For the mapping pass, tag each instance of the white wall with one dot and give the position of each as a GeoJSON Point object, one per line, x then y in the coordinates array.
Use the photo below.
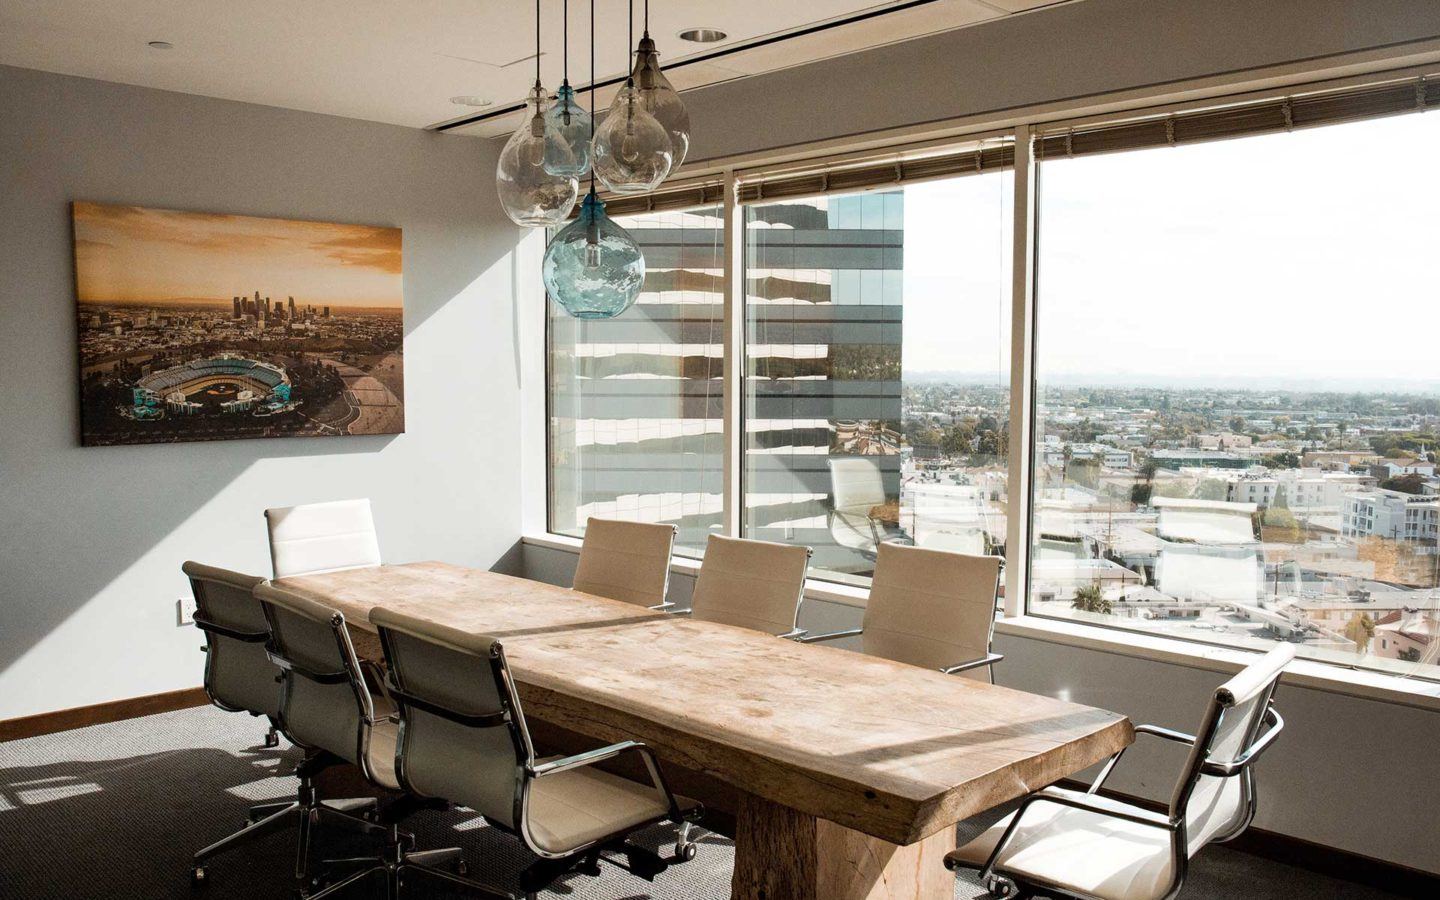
{"type": "Point", "coordinates": [91, 539]}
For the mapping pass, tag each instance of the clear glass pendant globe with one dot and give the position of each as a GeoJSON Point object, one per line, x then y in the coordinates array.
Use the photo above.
{"type": "Point", "coordinates": [631, 152]}
{"type": "Point", "coordinates": [593, 268]}
{"type": "Point", "coordinates": [661, 101]}
{"type": "Point", "coordinates": [567, 135]}
{"type": "Point", "coordinates": [530, 195]}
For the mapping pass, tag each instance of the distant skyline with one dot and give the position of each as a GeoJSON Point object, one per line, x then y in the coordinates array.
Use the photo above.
{"type": "Point", "coordinates": [1300, 261]}
{"type": "Point", "coordinates": [129, 254]}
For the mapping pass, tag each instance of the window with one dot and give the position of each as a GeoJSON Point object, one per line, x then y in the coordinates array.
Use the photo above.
{"type": "Point", "coordinates": [1166, 280]}
{"type": "Point", "coordinates": [1236, 418]}
{"type": "Point", "coordinates": [635, 402]}
{"type": "Point", "coordinates": [877, 356]}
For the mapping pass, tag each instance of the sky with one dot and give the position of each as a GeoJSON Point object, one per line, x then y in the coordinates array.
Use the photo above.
{"type": "Point", "coordinates": [128, 253]}
{"type": "Point", "coordinates": [1307, 259]}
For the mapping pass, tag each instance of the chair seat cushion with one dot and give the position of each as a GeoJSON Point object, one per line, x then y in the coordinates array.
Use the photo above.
{"type": "Point", "coordinates": [1083, 851]}
{"type": "Point", "coordinates": [381, 753]}
{"type": "Point", "coordinates": [571, 809]}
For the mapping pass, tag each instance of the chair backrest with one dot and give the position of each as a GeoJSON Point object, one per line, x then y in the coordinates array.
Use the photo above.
{"type": "Point", "coordinates": [324, 703]}
{"type": "Point", "coordinates": [856, 483]}
{"type": "Point", "coordinates": [462, 732]}
{"type": "Point", "coordinates": [752, 584]}
{"type": "Point", "coordinates": [627, 561]}
{"type": "Point", "coordinates": [322, 537]}
{"type": "Point", "coordinates": [931, 608]}
{"type": "Point", "coordinates": [239, 675]}
{"type": "Point", "coordinates": [1219, 807]}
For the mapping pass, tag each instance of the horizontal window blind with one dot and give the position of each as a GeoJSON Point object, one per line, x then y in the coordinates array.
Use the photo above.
{"type": "Point", "coordinates": [686, 196]}
{"type": "Point", "coordinates": [1284, 113]}
{"type": "Point", "coordinates": [841, 178]}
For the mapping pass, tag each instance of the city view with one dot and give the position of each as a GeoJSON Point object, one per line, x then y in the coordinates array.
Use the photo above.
{"type": "Point", "coordinates": [198, 371]}
{"type": "Point", "coordinates": [1215, 514]}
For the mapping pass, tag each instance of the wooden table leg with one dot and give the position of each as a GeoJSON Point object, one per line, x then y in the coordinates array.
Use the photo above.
{"type": "Point", "coordinates": [784, 854]}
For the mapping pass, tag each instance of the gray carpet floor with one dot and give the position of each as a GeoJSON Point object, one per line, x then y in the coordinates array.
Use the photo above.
{"type": "Point", "coordinates": [114, 811]}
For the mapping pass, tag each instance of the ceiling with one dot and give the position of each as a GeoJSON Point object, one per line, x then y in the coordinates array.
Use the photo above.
{"type": "Point", "coordinates": [402, 62]}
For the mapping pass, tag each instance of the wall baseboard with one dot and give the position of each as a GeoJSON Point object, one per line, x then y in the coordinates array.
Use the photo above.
{"type": "Point", "coordinates": [114, 711]}
{"type": "Point", "coordinates": [1330, 861]}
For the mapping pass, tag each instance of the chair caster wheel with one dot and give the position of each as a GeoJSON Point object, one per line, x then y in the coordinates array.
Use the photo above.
{"type": "Point", "coordinates": [461, 868]}
{"type": "Point", "coordinates": [686, 852]}
{"type": "Point", "coordinates": [198, 877]}
{"type": "Point", "coordinates": [1001, 886]}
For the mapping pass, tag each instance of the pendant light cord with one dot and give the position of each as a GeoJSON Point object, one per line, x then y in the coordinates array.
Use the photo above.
{"type": "Point", "coordinates": [537, 41]}
{"type": "Point", "coordinates": [630, 42]}
{"type": "Point", "coordinates": [565, 42]}
{"type": "Point", "coordinates": [647, 18]}
{"type": "Point", "coordinates": [592, 90]}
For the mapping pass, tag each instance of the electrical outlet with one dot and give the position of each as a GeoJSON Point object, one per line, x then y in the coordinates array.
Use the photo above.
{"type": "Point", "coordinates": [184, 612]}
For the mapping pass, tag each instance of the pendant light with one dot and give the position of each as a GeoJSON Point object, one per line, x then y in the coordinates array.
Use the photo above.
{"type": "Point", "coordinates": [593, 267]}
{"type": "Point", "coordinates": [530, 195]}
{"type": "Point", "coordinates": [631, 152]}
{"type": "Point", "coordinates": [567, 125]}
{"type": "Point", "coordinates": [659, 96]}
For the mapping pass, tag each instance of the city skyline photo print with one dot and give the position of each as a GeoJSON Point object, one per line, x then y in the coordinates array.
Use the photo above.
{"type": "Point", "coordinates": [209, 326]}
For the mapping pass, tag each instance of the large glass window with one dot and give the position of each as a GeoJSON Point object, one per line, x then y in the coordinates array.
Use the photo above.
{"type": "Point", "coordinates": [1237, 398]}
{"type": "Point", "coordinates": [877, 390]}
{"type": "Point", "coordinates": [635, 402]}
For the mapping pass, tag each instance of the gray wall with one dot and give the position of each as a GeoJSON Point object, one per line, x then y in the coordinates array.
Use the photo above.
{"type": "Point", "coordinates": [91, 539]}
{"type": "Point", "coordinates": [1070, 51]}
{"type": "Point", "coordinates": [1347, 772]}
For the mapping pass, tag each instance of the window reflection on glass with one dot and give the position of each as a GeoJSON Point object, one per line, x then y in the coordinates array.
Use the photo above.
{"type": "Point", "coordinates": [1238, 408]}
{"type": "Point", "coordinates": [877, 385]}
{"type": "Point", "coordinates": [635, 402]}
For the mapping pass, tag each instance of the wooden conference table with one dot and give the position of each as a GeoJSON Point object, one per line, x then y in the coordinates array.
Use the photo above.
{"type": "Point", "coordinates": [850, 770]}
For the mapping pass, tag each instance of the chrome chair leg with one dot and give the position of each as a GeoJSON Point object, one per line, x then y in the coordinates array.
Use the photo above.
{"type": "Point", "coordinates": [255, 830]}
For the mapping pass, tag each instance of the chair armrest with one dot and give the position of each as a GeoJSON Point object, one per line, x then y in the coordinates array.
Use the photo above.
{"type": "Point", "coordinates": [1252, 753]}
{"type": "Point", "coordinates": [829, 636]}
{"type": "Point", "coordinates": [601, 754]}
{"type": "Point", "coordinates": [1168, 734]}
{"type": "Point", "coordinates": [588, 758]}
{"type": "Point", "coordinates": [988, 659]}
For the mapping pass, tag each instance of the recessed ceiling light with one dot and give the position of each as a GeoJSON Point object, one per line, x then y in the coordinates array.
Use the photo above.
{"type": "Point", "coordinates": [703, 35]}
{"type": "Point", "coordinates": [160, 45]}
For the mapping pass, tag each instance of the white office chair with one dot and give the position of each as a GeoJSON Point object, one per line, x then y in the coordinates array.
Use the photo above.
{"type": "Point", "coordinates": [627, 561]}
{"type": "Point", "coordinates": [930, 608]}
{"type": "Point", "coordinates": [322, 537]}
{"type": "Point", "coordinates": [751, 584]}
{"type": "Point", "coordinates": [463, 739]}
{"type": "Point", "coordinates": [1068, 843]}
{"type": "Point", "coordinates": [856, 487]}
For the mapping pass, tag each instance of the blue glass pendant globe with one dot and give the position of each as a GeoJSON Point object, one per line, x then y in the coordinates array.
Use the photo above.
{"type": "Point", "coordinates": [593, 268]}
{"type": "Point", "coordinates": [567, 135]}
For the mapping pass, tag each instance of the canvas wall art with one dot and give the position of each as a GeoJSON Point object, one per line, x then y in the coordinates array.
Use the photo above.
{"type": "Point", "coordinates": [208, 326]}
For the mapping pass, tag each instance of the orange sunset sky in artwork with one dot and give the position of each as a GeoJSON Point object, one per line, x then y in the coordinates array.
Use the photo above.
{"type": "Point", "coordinates": [133, 254]}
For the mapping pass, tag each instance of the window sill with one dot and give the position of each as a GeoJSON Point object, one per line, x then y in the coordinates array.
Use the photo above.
{"type": "Point", "coordinates": [1301, 673]}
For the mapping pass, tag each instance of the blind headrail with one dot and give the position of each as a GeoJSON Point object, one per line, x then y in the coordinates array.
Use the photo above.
{"type": "Point", "coordinates": [1283, 112]}
{"type": "Point", "coordinates": [872, 174]}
